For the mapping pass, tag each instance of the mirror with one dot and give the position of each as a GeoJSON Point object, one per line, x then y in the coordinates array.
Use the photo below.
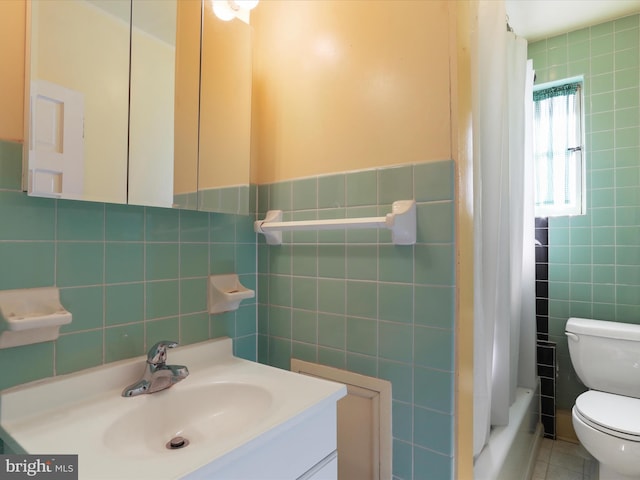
{"type": "Point", "coordinates": [154, 132]}
{"type": "Point", "coordinates": [151, 103]}
{"type": "Point", "coordinates": [187, 104]}
{"type": "Point", "coordinates": [79, 105]}
{"type": "Point", "coordinates": [225, 114]}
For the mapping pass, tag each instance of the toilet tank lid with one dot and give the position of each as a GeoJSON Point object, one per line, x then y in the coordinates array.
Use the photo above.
{"type": "Point", "coordinates": [601, 328]}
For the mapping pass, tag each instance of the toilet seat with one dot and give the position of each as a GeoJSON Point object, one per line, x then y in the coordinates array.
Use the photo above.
{"type": "Point", "coordinates": [612, 414]}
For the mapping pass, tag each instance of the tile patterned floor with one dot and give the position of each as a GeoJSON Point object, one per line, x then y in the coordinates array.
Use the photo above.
{"type": "Point", "coordinates": [559, 460]}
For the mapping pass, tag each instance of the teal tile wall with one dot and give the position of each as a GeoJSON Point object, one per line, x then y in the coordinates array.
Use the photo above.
{"type": "Point", "coordinates": [353, 300]}
{"type": "Point", "coordinates": [594, 260]}
{"type": "Point", "coordinates": [226, 199]}
{"type": "Point", "coordinates": [238, 200]}
{"type": "Point", "coordinates": [129, 275]}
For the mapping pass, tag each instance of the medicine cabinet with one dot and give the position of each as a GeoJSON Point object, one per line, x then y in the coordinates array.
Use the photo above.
{"type": "Point", "coordinates": [145, 102]}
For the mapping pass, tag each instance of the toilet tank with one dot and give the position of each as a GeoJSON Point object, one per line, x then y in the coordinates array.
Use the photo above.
{"type": "Point", "coordinates": [605, 355]}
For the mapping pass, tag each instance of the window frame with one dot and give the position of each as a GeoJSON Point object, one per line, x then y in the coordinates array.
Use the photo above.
{"type": "Point", "coordinates": [580, 206]}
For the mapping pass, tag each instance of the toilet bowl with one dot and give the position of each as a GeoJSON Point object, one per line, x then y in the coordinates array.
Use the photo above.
{"type": "Point", "coordinates": [608, 426]}
{"type": "Point", "coordinates": [606, 418]}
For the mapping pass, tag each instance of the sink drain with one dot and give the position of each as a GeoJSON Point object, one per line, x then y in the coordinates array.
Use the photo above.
{"type": "Point", "coordinates": [176, 443]}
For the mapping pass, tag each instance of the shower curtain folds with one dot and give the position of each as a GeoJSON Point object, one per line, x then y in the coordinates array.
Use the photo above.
{"type": "Point", "coordinates": [504, 261]}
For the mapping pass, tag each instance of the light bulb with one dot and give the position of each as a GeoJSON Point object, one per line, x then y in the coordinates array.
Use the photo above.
{"type": "Point", "coordinates": [223, 10]}
{"type": "Point", "coordinates": [245, 4]}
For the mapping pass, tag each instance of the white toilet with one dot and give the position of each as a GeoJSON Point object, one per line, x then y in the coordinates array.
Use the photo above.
{"type": "Point", "coordinates": [606, 357]}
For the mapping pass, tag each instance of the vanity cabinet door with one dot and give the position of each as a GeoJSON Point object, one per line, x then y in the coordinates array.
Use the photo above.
{"type": "Point", "coordinates": [329, 471]}
{"type": "Point", "coordinates": [296, 450]}
{"type": "Point", "coordinates": [324, 470]}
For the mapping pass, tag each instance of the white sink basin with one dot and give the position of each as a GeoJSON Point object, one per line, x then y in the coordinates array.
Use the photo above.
{"type": "Point", "coordinates": [226, 407]}
{"type": "Point", "coordinates": [203, 415]}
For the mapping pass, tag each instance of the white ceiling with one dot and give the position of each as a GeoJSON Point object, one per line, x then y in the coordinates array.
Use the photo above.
{"type": "Point", "coordinates": [538, 19]}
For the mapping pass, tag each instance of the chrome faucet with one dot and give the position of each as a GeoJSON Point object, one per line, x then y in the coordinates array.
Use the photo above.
{"type": "Point", "coordinates": [157, 374]}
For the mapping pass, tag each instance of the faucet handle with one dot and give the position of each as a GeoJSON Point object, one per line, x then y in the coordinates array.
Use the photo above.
{"type": "Point", "coordinates": [158, 353]}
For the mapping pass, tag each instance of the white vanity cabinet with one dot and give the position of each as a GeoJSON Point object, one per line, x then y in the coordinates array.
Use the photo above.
{"type": "Point", "coordinates": [325, 470]}
{"type": "Point", "coordinates": [243, 420]}
{"type": "Point", "coordinates": [304, 448]}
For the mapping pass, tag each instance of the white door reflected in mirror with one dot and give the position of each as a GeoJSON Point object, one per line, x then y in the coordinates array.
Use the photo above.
{"type": "Point", "coordinates": [56, 148]}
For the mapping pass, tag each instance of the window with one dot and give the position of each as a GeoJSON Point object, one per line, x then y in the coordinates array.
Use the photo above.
{"type": "Point", "coordinates": [558, 149]}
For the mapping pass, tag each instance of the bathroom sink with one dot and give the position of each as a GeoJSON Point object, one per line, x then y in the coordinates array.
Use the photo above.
{"type": "Point", "coordinates": [225, 409]}
{"type": "Point", "coordinates": [201, 415]}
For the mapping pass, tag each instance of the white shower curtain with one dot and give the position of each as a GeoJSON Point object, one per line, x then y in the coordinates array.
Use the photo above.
{"type": "Point", "coordinates": [504, 256]}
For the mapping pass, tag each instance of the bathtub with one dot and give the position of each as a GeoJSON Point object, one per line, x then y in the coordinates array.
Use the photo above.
{"type": "Point", "coordinates": [511, 451]}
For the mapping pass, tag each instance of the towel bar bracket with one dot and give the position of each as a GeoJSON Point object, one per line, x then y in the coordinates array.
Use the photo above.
{"type": "Point", "coordinates": [273, 237]}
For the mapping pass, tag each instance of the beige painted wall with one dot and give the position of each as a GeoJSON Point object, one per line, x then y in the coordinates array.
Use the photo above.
{"type": "Point", "coordinates": [12, 40]}
{"type": "Point", "coordinates": [348, 85]}
{"type": "Point", "coordinates": [340, 86]}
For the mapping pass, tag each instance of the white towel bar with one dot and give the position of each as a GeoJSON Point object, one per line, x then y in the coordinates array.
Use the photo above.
{"type": "Point", "coordinates": [401, 221]}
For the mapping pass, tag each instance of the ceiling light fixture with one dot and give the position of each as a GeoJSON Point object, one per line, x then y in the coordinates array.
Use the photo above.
{"type": "Point", "coordinates": [229, 9]}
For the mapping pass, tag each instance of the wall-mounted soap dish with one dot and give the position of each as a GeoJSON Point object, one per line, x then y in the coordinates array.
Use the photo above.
{"type": "Point", "coordinates": [31, 315]}
{"type": "Point", "coordinates": [226, 292]}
